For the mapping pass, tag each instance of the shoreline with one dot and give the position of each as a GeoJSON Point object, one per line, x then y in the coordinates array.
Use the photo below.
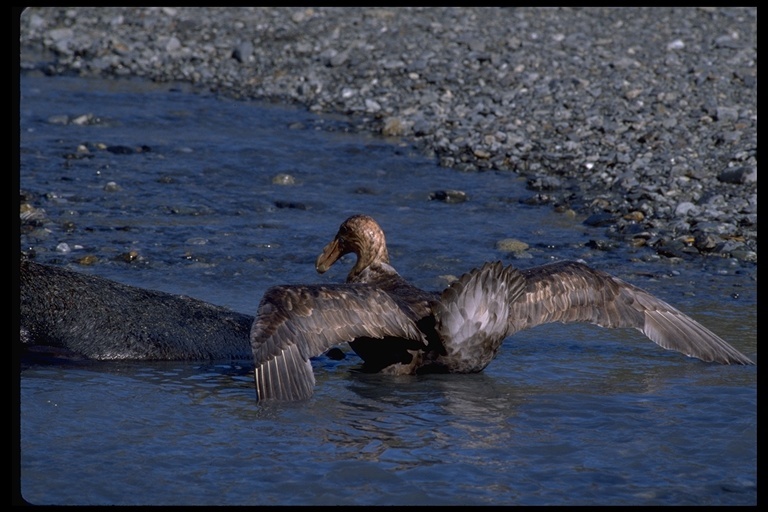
{"type": "Point", "coordinates": [641, 119]}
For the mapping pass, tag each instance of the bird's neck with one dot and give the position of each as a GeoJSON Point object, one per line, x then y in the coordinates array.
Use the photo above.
{"type": "Point", "coordinates": [371, 272]}
{"type": "Point", "coordinates": [370, 257]}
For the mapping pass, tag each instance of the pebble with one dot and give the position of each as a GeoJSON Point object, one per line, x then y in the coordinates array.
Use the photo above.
{"type": "Point", "coordinates": [557, 95]}
{"type": "Point", "coordinates": [283, 179]}
{"type": "Point", "coordinates": [448, 196]}
{"type": "Point", "coordinates": [511, 245]}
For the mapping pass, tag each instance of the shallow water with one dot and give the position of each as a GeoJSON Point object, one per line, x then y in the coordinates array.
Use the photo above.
{"type": "Point", "coordinates": [564, 415]}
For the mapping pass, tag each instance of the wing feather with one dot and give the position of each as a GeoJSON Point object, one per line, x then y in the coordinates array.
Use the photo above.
{"type": "Point", "coordinates": [573, 292]}
{"type": "Point", "coordinates": [295, 323]}
{"type": "Point", "coordinates": [472, 315]}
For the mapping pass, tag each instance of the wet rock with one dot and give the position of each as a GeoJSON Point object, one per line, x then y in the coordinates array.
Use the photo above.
{"type": "Point", "coordinates": [291, 204]}
{"type": "Point", "coordinates": [539, 199]}
{"type": "Point", "coordinates": [283, 179]}
{"type": "Point", "coordinates": [511, 245]}
{"type": "Point", "coordinates": [83, 120]}
{"type": "Point", "coordinates": [677, 248]}
{"type": "Point", "coordinates": [128, 257]}
{"type": "Point", "coordinates": [86, 260]}
{"type": "Point", "coordinates": [393, 127]}
{"type": "Point", "coordinates": [600, 219]}
{"type": "Point", "coordinates": [58, 119]}
{"type": "Point", "coordinates": [601, 245]}
{"type": "Point", "coordinates": [448, 196]}
{"type": "Point", "coordinates": [120, 150]}
{"type": "Point", "coordinates": [705, 242]}
{"type": "Point", "coordinates": [544, 183]}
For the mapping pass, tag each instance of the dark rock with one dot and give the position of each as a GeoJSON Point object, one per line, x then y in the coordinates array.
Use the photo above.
{"type": "Point", "coordinates": [291, 204]}
{"type": "Point", "coordinates": [448, 196]}
{"type": "Point", "coordinates": [120, 150]}
{"type": "Point", "coordinates": [738, 175]}
{"type": "Point", "coordinates": [600, 219]}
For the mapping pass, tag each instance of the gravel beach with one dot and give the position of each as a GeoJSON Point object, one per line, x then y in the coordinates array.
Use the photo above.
{"type": "Point", "coordinates": [644, 120]}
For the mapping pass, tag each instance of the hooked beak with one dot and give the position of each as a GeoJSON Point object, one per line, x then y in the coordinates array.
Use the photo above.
{"type": "Point", "coordinates": [331, 253]}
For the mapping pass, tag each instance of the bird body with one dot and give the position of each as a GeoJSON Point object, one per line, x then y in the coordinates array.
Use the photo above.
{"type": "Point", "coordinates": [398, 328]}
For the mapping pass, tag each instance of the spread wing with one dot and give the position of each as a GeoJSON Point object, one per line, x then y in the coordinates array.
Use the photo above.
{"type": "Point", "coordinates": [295, 323]}
{"type": "Point", "coordinates": [572, 292]}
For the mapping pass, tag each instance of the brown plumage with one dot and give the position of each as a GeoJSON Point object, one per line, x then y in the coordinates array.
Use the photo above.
{"type": "Point", "coordinates": [398, 328]}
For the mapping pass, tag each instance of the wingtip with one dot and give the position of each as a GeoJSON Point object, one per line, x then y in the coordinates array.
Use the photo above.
{"type": "Point", "coordinates": [674, 330]}
{"type": "Point", "coordinates": [741, 359]}
{"type": "Point", "coordinates": [286, 377]}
